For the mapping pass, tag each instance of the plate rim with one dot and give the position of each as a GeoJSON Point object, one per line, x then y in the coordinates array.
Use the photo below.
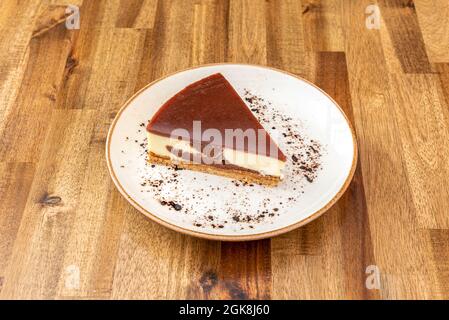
{"type": "Point", "coordinates": [210, 236]}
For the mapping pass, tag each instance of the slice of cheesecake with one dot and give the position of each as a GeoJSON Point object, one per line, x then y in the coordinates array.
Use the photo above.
{"type": "Point", "coordinates": [207, 127]}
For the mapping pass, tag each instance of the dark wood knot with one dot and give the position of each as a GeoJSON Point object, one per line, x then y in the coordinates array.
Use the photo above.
{"type": "Point", "coordinates": [310, 7]}
{"type": "Point", "coordinates": [71, 62]}
{"type": "Point", "coordinates": [50, 200]}
{"type": "Point", "coordinates": [235, 291]}
{"type": "Point", "coordinates": [410, 4]}
{"type": "Point", "coordinates": [208, 281]}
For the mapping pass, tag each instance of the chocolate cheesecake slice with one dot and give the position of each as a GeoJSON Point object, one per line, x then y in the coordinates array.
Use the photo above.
{"type": "Point", "coordinates": [208, 127]}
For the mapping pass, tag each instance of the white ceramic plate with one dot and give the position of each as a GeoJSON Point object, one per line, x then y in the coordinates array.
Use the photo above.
{"type": "Point", "coordinates": [214, 207]}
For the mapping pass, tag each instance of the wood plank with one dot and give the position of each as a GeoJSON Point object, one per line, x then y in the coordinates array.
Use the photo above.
{"type": "Point", "coordinates": [322, 25]}
{"type": "Point", "coordinates": [38, 255]}
{"type": "Point", "coordinates": [392, 219]}
{"type": "Point", "coordinates": [439, 239]}
{"type": "Point", "coordinates": [208, 45]}
{"type": "Point", "coordinates": [15, 183]}
{"type": "Point", "coordinates": [96, 226]}
{"type": "Point", "coordinates": [442, 70]}
{"type": "Point", "coordinates": [97, 283]}
{"type": "Point", "coordinates": [16, 27]}
{"type": "Point", "coordinates": [94, 24]}
{"type": "Point", "coordinates": [118, 47]}
{"type": "Point", "coordinates": [99, 13]}
{"type": "Point", "coordinates": [14, 14]}
{"type": "Point", "coordinates": [96, 216]}
{"type": "Point", "coordinates": [434, 24]}
{"type": "Point", "coordinates": [351, 216]}
{"type": "Point", "coordinates": [424, 132]}
{"type": "Point", "coordinates": [247, 37]}
{"type": "Point", "coordinates": [248, 277]}
{"type": "Point", "coordinates": [402, 23]}
{"type": "Point", "coordinates": [27, 123]}
{"type": "Point", "coordinates": [138, 14]}
{"type": "Point", "coordinates": [63, 2]}
{"type": "Point", "coordinates": [183, 267]}
{"type": "Point", "coordinates": [286, 46]}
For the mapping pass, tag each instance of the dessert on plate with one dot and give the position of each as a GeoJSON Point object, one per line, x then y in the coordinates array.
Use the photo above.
{"type": "Point", "coordinates": [207, 127]}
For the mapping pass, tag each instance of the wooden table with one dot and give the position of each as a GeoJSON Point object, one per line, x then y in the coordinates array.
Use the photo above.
{"type": "Point", "coordinates": [65, 231]}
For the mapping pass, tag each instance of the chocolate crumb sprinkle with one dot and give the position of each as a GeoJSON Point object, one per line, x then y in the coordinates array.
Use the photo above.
{"type": "Point", "coordinates": [235, 204]}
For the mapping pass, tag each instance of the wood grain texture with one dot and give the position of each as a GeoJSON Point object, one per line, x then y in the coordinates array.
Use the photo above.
{"type": "Point", "coordinates": [65, 232]}
{"type": "Point", "coordinates": [434, 25]}
{"type": "Point", "coordinates": [402, 22]}
{"type": "Point", "coordinates": [322, 25]}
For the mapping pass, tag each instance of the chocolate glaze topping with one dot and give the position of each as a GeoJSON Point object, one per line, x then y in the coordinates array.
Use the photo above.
{"type": "Point", "coordinates": [215, 103]}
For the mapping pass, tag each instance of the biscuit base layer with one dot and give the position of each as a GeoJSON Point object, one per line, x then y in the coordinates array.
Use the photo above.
{"type": "Point", "coordinates": [241, 175]}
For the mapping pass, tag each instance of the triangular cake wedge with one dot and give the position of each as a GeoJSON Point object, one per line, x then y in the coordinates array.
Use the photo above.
{"type": "Point", "coordinates": [207, 127]}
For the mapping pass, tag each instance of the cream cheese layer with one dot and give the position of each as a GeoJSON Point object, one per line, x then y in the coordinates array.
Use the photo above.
{"type": "Point", "coordinates": [264, 165]}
